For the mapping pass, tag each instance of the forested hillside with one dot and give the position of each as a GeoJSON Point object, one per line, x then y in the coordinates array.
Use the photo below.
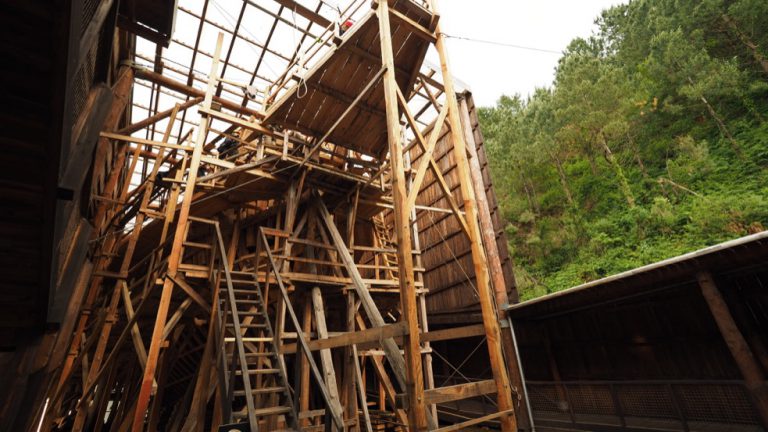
{"type": "Point", "coordinates": [651, 142]}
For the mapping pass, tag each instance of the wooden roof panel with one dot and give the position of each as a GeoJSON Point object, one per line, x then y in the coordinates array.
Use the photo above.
{"type": "Point", "coordinates": [315, 103]}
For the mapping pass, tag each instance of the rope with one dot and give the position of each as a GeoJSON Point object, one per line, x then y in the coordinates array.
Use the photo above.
{"type": "Point", "coordinates": [302, 83]}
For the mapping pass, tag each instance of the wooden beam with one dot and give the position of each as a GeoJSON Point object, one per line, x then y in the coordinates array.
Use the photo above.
{"type": "Point", "coordinates": [426, 158]}
{"type": "Point", "coordinates": [478, 420]}
{"type": "Point", "coordinates": [326, 360]}
{"type": "Point", "coordinates": [459, 392]}
{"type": "Point", "coordinates": [157, 117]}
{"type": "Point", "coordinates": [174, 258]}
{"type": "Point", "coordinates": [351, 338]}
{"type": "Point", "coordinates": [305, 12]}
{"type": "Point", "coordinates": [388, 345]}
{"type": "Point", "coordinates": [142, 141]}
{"type": "Point", "coordinates": [182, 88]}
{"type": "Point", "coordinates": [182, 283]}
{"type": "Point", "coordinates": [432, 164]}
{"type": "Point", "coordinates": [414, 385]}
{"type": "Point", "coordinates": [754, 379]}
{"type": "Point", "coordinates": [498, 280]}
{"type": "Point", "coordinates": [490, 319]}
{"type": "Point", "coordinates": [343, 115]}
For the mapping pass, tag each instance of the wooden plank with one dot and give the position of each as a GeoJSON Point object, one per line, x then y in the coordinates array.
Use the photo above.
{"type": "Point", "coordinates": [182, 283]}
{"type": "Point", "coordinates": [351, 338]}
{"type": "Point", "coordinates": [754, 379]}
{"type": "Point", "coordinates": [389, 346]}
{"type": "Point", "coordinates": [326, 360]}
{"type": "Point", "coordinates": [343, 115]}
{"type": "Point", "coordinates": [459, 392]}
{"type": "Point", "coordinates": [414, 382]}
{"type": "Point", "coordinates": [158, 117]}
{"type": "Point", "coordinates": [305, 12]}
{"type": "Point", "coordinates": [472, 422]}
{"type": "Point", "coordinates": [490, 319]}
{"type": "Point", "coordinates": [142, 141]}
{"type": "Point", "coordinates": [433, 165]}
{"type": "Point", "coordinates": [336, 415]}
{"type": "Point", "coordinates": [426, 157]}
{"type": "Point", "coordinates": [175, 256]}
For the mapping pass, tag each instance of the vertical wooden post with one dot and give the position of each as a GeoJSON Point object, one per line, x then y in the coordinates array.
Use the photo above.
{"type": "Point", "coordinates": [490, 319]}
{"type": "Point", "coordinates": [754, 379]}
{"type": "Point", "coordinates": [326, 360]}
{"type": "Point", "coordinates": [175, 256]}
{"type": "Point", "coordinates": [494, 262]}
{"type": "Point", "coordinates": [414, 379]}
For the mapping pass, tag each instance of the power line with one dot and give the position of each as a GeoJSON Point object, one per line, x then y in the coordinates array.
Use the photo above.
{"type": "Point", "coordinates": [508, 45]}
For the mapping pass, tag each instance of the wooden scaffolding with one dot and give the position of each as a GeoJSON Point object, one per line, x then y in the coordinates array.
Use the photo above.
{"type": "Point", "coordinates": [262, 268]}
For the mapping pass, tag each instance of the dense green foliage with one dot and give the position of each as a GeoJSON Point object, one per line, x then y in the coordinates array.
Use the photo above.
{"type": "Point", "coordinates": [651, 142]}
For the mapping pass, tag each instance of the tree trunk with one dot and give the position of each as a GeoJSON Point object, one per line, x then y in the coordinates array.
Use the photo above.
{"type": "Point", "coordinates": [563, 178]}
{"type": "Point", "coordinates": [636, 153]}
{"type": "Point", "coordinates": [720, 124]}
{"type": "Point", "coordinates": [753, 48]}
{"type": "Point", "coordinates": [623, 183]}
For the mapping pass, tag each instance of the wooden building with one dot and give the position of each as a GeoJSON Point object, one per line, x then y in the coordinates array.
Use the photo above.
{"type": "Point", "coordinates": [679, 345]}
{"type": "Point", "coordinates": [244, 216]}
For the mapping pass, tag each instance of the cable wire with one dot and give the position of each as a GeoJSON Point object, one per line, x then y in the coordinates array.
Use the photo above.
{"type": "Point", "coordinates": [504, 44]}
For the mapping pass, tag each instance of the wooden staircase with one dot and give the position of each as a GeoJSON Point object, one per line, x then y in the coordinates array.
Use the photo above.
{"type": "Point", "coordinates": [258, 389]}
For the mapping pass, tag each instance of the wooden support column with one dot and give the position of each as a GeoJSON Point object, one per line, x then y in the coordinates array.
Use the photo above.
{"type": "Point", "coordinates": [414, 378]}
{"type": "Point", "coordinates": [326, 360]}
{"type": "Point", "coordinates": [494, 262]}
{"type": "Point", "coordinates": [488, 309]}
{"type": "Point", "coordinates": [175, 255]}
{"type": "Point", "coordinates": [754, 379]}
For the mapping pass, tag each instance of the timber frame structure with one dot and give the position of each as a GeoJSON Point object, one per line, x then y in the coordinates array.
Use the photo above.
{"type": "Point", "coordinates": [267, 254]}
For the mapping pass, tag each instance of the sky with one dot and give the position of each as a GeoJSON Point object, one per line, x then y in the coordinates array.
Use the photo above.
{"type": "Point", "coordinates": [490, 70]}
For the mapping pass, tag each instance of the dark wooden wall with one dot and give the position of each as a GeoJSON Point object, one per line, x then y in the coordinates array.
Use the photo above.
{"type": "Point", "coordinates": [445, 248]}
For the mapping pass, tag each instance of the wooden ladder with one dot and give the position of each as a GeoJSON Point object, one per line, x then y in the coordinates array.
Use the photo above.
{"type": "Point", "coordinates": [258, 387]}
{"type": "Point", "coordinates": [388, 255]}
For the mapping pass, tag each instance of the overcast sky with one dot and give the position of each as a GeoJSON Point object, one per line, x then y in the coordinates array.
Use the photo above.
{"type": "Point", "coordinates": [492, 70]}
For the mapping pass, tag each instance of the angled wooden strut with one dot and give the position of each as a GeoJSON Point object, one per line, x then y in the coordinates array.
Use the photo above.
{"type": "Point", "coordinates": [485, 297]}
{"type": "Point", "coordinates": [175, 256]}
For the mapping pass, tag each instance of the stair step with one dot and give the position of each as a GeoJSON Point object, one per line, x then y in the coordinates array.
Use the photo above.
{"type": "Point", "coordinates": [248, 325]}
{"type": "Point", "coordinates": [262, 390]}
{"type": "Point", "coordinates": [249, 313]}
{"type": "Point", "coordinates": [259, 354]}
{"type": "Point", "coordinates": [250, 339]}
{"type": "Point", "coordinates": [239, 291]}
{"type": "Point", "coordinates": [259, 371]}
{"type": "Point", "coordinates": [248, 301]}
{"type": "Point", "coordinates": [243, 282]}
{"type": "Point", "coordinates": [263, 412]}
{"type": "Point", "coordinates": [197, 245]}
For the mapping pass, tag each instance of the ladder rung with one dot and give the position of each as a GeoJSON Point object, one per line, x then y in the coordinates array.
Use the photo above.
{"type": "Point", "coordinates": [261, 391]}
